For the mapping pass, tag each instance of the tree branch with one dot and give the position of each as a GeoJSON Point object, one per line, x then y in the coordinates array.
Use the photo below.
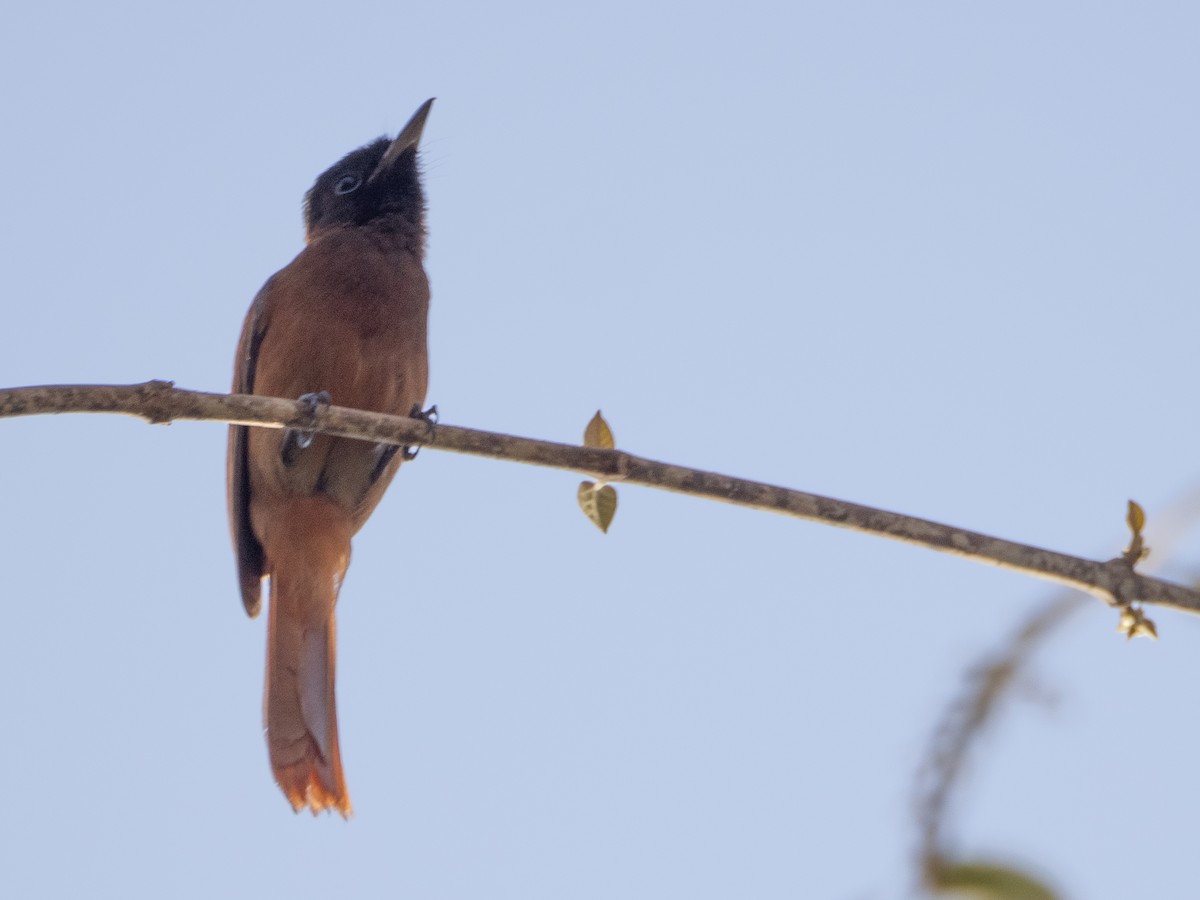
{"type": "Point", "coordinates": [1113, 581]}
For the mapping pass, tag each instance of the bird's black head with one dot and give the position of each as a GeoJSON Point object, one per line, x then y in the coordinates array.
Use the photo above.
{"type": "Point", "coordinates": [376, 184]}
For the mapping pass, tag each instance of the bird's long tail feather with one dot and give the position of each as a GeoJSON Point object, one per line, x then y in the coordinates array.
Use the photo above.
{"type": "Point", "coordinates": [306, 565]}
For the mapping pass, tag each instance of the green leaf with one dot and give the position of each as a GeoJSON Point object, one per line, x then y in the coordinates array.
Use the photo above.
{"type": "Point", "coordinates": [598, 435]}
{"type": "Point", "coordinates": [988, 881]}
{"type": "Point", "coordinates": [1135, 624]}
{"type": "Point", "coordinates": [598, 502]}
{"type": "Point", "coordinates": [1136, 517]}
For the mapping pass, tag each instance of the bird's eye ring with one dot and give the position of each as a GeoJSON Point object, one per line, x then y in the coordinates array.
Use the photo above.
{"type": "Point", "coordinates": [346, 184]}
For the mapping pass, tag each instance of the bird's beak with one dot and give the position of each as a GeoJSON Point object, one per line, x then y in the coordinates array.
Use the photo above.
{"type": "Point", "coordinates": [409, 138]}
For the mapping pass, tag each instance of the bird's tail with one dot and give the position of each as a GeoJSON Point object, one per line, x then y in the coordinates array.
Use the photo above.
{"type": "Point", "coordinates": [306, 557]}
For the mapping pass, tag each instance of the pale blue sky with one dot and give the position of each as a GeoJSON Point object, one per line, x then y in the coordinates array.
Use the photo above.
{"type": "Point", "coordinates": [935, 257]}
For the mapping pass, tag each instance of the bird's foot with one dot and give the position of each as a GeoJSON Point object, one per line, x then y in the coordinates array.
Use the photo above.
{"type": "Point", "coordinates": [297, 439]}
{"type": "Point", "coordinates": [429, 416]}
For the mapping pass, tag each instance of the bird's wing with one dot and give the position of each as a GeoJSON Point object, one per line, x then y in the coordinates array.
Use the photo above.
{"type": "Point", "coordinates": [237, 474]}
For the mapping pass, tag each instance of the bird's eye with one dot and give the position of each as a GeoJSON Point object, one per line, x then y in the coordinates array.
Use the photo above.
{"type": "Point", "coordinates": [346, 184]}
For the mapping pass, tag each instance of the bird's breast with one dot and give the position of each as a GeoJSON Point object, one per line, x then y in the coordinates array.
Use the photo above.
{"type": "Point", "coordinates": [348, 317]}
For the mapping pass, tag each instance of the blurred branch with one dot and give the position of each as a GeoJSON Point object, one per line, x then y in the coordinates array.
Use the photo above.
{"type": "Point", "coordinates": [1114, 581]}
{"type": "Point", "coordinates": [961, 725]}
{"type": "Point", "coordinates": [988, 683]}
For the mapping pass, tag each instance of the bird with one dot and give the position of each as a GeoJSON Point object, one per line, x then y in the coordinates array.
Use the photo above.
{"type": "Point", "coordinates": [345, 322]}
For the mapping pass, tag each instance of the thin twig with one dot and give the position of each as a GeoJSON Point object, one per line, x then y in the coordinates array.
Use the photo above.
{"type": "Point", "coordinates": [159, 401]}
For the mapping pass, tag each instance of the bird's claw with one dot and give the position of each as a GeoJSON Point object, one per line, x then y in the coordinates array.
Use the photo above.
{"type": "Point", "coordinates": [429, 416]}
{"type": "Point", "coordinates": [297, 439]}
